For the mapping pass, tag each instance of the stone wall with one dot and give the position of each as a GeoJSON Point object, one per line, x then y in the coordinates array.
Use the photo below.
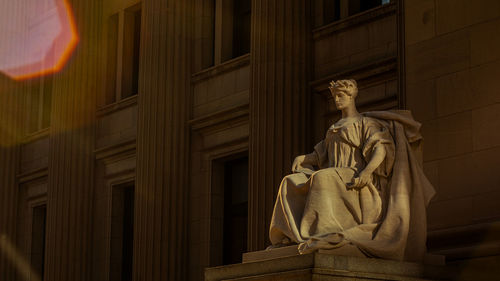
{"type": "Point", "coordinates": [363, 46]}
{"type": "Point", "coordinates": [452, 67]}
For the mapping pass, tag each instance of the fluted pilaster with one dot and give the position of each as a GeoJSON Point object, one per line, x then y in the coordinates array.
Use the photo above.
{"type": "Point", "coordinates": [278, 103]}
{"type": "Point", "coordinates": [70, 180]}
{"type": "Point", "coordinates": [11, 93]}
{"type": "Point", "coordinates": [160, 245]}
{"type": "Point", "coordinates": [10, 98]}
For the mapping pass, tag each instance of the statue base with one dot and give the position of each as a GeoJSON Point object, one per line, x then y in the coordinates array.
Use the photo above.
{"type": "Point", "coordinates": [347, 250]}
{"type": "Point", "coordinates": [286, 264]}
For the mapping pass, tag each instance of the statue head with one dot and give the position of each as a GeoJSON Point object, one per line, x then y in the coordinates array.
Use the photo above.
{"type": "Point", "coordinates": [344, 92]}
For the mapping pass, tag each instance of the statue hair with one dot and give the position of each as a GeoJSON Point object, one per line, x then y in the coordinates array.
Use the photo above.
{"type": "Point", "coordinates": [348, 86]}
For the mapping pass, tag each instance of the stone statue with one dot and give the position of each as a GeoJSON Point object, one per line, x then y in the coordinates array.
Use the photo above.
{"type": "Point", "coordinates": [362, 191]}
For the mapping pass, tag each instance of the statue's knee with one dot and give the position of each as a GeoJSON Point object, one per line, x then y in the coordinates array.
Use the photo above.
{"type": "Point", "coordinates": [288, 178]}
{"type": "Point", "coordinates": [319, 174]}
{"type": "Point", "coordinates": [296, 179]}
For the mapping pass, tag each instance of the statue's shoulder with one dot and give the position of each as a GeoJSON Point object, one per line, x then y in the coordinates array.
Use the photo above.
{"type": "Point", "coordinates": [369, 121]}
{"type": "Point", "coordinates": [402, 116]}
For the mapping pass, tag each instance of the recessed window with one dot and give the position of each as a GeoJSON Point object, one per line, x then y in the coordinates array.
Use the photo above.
{"type": "Point", "coordinates": [122, 233]}
{"type": "Point", "coordinates": [224, 31]}
{"type": "Point", "coordinates": [364, 5]}
{"type": "Point", "coordinates": [334, 10]}
{"type": "Point", "coordinates": [38, 229]}
{"type": "Point", "coordinates": [112, 58]}
{"type": "Point", "coordinates": [229, 211]}
{"type": "Point", "coordinates": [123, 54]}
{"type": "Point", "coordinates": [232, 33]}
{"type": "Point", "coordinates": [235, 210]}
{"type": "Point", "coordinates": [241, 27]}
{"type": "Point", "coordinates": [331, 11]}
{"type": "Point", "coordinates": [131, 45]}
{"type": "Point", "coordinates": [39, 103]}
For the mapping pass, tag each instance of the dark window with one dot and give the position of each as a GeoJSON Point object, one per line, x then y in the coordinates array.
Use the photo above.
{"type": "Point", "coordinates": [112, 48]}
{"type": "Point", "coordinates": [208, 34]}
{"type": "Point", "coordinates": [122, 232]}
{"type": "Point", "coordinates": [229, 211]}
{"type": "Point", "coordinates": [334, 10]}
{"type": "Point", "coordinates": [39, 103]}
{"type": "Point", "coordinates": [38, 240]}
{"type": "Point", "coordinates": [233, 27]}
{"type": "Point", "coordinates": [235, 210]}
{"type": "Point", "coordinates": [241, 27]}
{"type": "Point", "coordinates": [47, 101]}
{"type": "Point", "coordinates": [123, 54]}
{"type": "Point", "coordinates": [368, 4]}
{"type": "Point", "coordinates": [137, 45]}
{"type": "Point", "coordinates": [331, 11]}
{"type": "Point", "coordinates": [34, 105]}
{"type": "Point", "coordinates": [131, 52]}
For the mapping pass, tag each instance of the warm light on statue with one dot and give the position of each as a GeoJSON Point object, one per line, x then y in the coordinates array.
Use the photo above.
{"type": "Point", "coordinates": [361, 192]}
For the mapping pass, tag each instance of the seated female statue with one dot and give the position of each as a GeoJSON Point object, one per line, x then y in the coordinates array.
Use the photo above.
{"type": "Point", "coordinates": [361, 191]}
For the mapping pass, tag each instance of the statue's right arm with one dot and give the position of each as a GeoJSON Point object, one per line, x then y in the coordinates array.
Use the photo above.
{"type": "Point", "coordinates": [301, 161]}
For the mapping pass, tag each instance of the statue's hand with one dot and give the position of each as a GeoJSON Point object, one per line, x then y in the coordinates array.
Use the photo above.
{"type": "Point", "coordinates": [297, 163]}
{"type": "Point", "coordinates": [363, 179]}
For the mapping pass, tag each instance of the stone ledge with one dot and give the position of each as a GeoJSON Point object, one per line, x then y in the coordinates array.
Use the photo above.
{"type": "Point", "coordinates": [270, 254]}
{"type": "Point", "coordinates": [429, 259]}
{"type": "Point", "coordinates": [320, 266]}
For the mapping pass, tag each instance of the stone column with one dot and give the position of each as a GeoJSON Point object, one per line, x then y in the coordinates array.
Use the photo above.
{"type": "Point", "coordinates": [71, 159]}
{"type": "Point", "coordinates": [10, 109]}
{"type": "Point", "coordinates": [160, 229]}
{"type": "Point", "coordinates": [278, 104]}
{"type": "Point", "coordinates": [10, 98]}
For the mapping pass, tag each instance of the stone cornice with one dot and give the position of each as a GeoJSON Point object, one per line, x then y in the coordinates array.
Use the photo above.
{"type": "Point", "coordinates": [355, 20]}
{"type": "Point", "coordinates": [32, 175]}
{"type": "Point", "coordinates": [221, 68]}
{"type": "Point", "coordinates": [215, 121]}
{"type": "Point", "coordinates": [362, 72]}
{"type": "Point", "coordinates": [115, 152]}
{"type": "Point", "coordinates": [116, 106]}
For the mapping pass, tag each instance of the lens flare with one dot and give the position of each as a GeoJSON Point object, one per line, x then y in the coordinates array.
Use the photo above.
{"type": "Point", "coordinates": [38, 38]}
{"type": "Point", "coordinates": [9, 251]}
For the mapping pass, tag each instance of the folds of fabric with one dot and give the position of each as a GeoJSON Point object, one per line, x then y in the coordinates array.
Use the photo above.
{"type": "Point", "coordinates": [384, 219]}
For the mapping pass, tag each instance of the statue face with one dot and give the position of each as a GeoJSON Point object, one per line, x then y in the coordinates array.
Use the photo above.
{"type": "Point", "coordinates": [342, 99]}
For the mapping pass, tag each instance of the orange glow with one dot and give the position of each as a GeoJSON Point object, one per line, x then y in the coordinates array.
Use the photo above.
{"type": "Point", "coordinates": [55, 57]}
{"type": "Point", "coordinates": [70, 47]}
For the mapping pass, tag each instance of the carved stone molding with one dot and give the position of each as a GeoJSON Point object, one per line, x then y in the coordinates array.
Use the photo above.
{"type": "Point", "coordinates": [220, 119]}
{"type": "Point", "coordinates": [358, 19]}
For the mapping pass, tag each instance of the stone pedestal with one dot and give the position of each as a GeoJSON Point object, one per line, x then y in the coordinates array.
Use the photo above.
{"type": "Point", "coordinates": [321, 266]}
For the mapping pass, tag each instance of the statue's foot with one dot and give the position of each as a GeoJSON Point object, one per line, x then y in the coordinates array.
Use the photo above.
{"type": "Point", "coordinates": [284, 243]}
{"type": "Point", "coordinates": [270, 247]}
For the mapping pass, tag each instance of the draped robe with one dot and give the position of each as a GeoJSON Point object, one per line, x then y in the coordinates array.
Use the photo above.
{"type": "Point", "coordinates": [317, 209]}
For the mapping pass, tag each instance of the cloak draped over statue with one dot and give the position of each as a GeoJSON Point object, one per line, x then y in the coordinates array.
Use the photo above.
{"type": "Point", "coordinates": [317, 209]}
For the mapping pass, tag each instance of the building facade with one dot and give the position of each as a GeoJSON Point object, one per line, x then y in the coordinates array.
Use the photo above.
{"type": "Point", "coordinates": [159, 148]}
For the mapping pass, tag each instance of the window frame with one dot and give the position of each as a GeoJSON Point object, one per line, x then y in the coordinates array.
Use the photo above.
{"type": "Point", "coordinates": [35, 120]}
{"type": "Point", "coordinates": [119, 69]}
{"type": "Point", "coordinates": [127, 184]}
{"type": "Point", "coordinates": [215, 32]}
{"type": "Point", "coordinates": [344, 13]}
